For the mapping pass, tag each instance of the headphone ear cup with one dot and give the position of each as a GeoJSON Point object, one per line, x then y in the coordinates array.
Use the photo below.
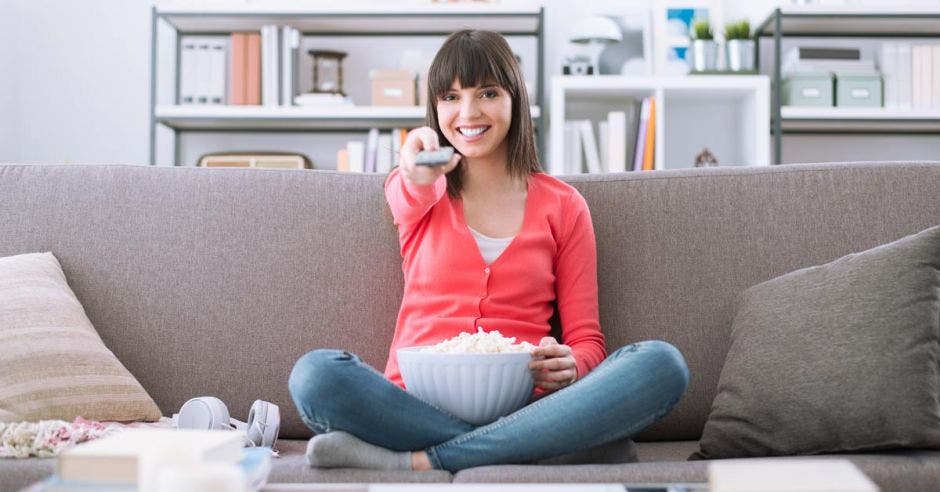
{"type": "Point", "coordinates": [264, 423]}
{"type": "Point", "coordinates": [204, 412]}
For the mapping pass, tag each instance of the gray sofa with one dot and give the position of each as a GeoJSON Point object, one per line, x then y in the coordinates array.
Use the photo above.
{"type": "Point", "coordinates": [213, 282]}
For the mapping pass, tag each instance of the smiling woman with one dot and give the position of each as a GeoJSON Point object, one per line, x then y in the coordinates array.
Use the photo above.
{"type": "Point", "coordinates": [488, 242]}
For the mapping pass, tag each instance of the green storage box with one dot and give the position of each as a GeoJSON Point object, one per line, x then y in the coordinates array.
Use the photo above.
{"type": "Point", "coordinates": [808, 89]}
{"type": "Point", "coordinates": [859, 90]}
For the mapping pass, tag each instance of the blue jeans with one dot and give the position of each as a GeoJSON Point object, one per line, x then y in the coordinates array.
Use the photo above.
{"type": "Point", "coordinates": [633, 387]}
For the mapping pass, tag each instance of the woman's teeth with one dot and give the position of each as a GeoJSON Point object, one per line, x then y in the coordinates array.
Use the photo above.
{"type": "Point", "coordinates": [472, 132]}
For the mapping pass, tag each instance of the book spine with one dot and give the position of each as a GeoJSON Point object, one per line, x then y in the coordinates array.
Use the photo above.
{"type": "Point", "coordinates": [649, 148]}
{"type": "Point", "coordinates": [617, 141]}
{"type": "Point", "coordinates": [253, 69]}
{"type": "Point", "coordinates": [935, 77]}
{"type": "Point", "coordinates": [187, 73]}
{"type": "Point", "coordinates": [889, 73]}
{"type": "Point", "coordinates": [590, 146]}
{"type": "Point", "coordinates": [641, 135]}
{"type": "Point", "coordinates": [356, 150]}
{"type": "Point", "coordinates": [904, 75]}
{"type": "Point", "coordinates": [217, 76]}
{"type": "Point", "coordinates": [237, 62]}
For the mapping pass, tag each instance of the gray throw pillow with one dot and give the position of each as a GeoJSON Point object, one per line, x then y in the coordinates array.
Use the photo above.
{"type": "Point", "coordinates": [834, 358]}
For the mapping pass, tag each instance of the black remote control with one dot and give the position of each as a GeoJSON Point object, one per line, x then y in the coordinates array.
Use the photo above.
{"type": "Point", "coordinates": [433, 158]}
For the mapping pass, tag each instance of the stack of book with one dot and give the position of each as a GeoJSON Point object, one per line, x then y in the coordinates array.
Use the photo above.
{"type": "Point", "coordinates": [626, 141]}
{"type": "Point", "coordinates": [378, 154]}
{"type": "Point", "coordinates": [911, 74]}
{"type": "Point", "coordinates": [245, 68]}
{"type": "Point", "coordinates": [140, 459]}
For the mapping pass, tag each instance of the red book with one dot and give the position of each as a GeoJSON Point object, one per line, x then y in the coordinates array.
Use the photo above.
{"type": "Point", "coordinates": [236, 76]}
{"type": "Point", "coordinates": [253, 68]}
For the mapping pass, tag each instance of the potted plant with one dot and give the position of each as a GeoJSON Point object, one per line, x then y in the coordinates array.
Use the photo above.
{"type": "Point", "coordinates": [739, 47]}
{"type": "Point", "coordinates": [704, 48]}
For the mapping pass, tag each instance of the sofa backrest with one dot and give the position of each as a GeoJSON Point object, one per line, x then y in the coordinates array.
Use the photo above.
{"type": "Point", "coordinates": [213, 282]}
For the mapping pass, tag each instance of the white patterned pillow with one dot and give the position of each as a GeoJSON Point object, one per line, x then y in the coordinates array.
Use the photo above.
{"type": "Point", "coordinates": [53, 364]}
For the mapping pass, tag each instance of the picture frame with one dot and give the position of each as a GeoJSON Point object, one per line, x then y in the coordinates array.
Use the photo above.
{"type": "Point", "coordinates": [672, 20]}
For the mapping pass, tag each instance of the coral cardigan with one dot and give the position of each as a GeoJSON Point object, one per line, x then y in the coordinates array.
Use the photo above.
{"type": "Point", "coordinates": [449, 288]}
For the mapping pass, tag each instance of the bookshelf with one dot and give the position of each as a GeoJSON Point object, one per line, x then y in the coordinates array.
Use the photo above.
{"type": "Point", "coordinates": [728, 114]}
{"type": "Point", "coordinates": [854, 22]}
{"type": "Point", "coordinates": [356, 25]}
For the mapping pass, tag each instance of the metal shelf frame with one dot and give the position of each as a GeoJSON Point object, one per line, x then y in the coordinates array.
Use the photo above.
{"type": "Point", "coordinates": [508, 22]}
{"type": "Point", "coordinates": [845, 23]}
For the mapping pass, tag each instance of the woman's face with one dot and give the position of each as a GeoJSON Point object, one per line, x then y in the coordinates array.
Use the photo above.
{"type": "Point", "coordinates": [475, 119]}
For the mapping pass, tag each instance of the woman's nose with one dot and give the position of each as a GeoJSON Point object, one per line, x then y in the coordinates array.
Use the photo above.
{"type": "Point", "coordinates": [469, 108]}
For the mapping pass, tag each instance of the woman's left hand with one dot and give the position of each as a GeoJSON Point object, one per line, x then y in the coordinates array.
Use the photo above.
{"type": "Point", "coordinates": [553, 366]}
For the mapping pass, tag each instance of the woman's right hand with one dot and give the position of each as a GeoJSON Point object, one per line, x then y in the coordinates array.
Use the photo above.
{"type": "Point", "coordinates": [424, 138]}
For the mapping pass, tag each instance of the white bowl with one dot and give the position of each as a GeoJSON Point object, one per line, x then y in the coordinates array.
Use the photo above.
{"type": "Point", "coordinates": [476, 388]}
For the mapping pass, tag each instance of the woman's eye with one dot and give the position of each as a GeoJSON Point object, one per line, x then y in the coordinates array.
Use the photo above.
{"type": "Point", "coordinates": [447, 98]}
{"type": "Point", "coordinates": [490, 94]}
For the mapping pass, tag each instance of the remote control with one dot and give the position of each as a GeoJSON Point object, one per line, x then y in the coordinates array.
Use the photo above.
{"type": "Point", "coordinates": [434, 157]}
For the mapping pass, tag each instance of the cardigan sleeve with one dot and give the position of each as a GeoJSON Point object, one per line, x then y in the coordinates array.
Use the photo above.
{"type": "Point", "coordinates": [408, 201]}
{"type": "Point", "coordinates": [576, 287]}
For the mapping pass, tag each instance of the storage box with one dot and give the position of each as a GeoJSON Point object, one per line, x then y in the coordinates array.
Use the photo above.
{"type": "Point", "coordinates": [859, 89]}
{"type": "Point", "coordinates": [808, 89]}
{"type": "Point", "coordinates": [393, 87]}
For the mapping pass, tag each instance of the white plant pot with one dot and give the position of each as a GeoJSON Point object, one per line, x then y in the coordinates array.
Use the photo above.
{"type": "Point", "coordinates": [704, 55]}
{"type": "Point", "coordinates": [739, 55]}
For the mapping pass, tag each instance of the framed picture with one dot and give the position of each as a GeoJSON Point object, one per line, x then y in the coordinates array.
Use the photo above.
{"type": "Point", "coordinates": [672, 22]}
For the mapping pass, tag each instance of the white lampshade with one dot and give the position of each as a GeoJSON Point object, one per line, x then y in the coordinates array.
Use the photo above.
{"type": "Point", "coordinates": [595, 28]}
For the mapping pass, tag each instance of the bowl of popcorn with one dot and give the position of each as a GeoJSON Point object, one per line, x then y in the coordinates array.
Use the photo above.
{"type": "Point", "coordinates": [477, 377]}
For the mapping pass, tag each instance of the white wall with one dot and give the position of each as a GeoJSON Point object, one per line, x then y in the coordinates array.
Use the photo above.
{"type": "Point", "coordinates": [80, 81]}
{"type": "Point", "coordinates": [75, 83]}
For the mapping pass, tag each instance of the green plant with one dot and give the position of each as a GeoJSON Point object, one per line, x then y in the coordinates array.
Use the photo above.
{"type": "Point", "coordinates": [738, 30]}
{"type": "Point", "coordinates": [701, 29]}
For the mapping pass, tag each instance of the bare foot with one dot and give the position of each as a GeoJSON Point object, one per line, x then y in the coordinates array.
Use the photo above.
{"type": "Point", "coordinates": [420, 461]}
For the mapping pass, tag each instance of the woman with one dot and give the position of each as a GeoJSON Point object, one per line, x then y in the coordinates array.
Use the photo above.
{"type": "Point", "coordinates": [504, 243]}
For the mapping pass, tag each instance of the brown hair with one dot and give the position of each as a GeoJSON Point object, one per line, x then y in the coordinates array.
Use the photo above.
{"type": "Point", "coordinates": [476, 58]}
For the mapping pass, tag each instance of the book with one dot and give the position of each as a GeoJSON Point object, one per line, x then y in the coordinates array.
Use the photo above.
{"type": "Point", "coordinates": [269, 66]}
{"type": "Point", "coordinates": [778, 475]}
{"type": "Point", "coordinates": [617, 141]}
{"type": "Point", "coordinates": [649, 147]}
{"type": "Point", "coordinates": [589, 144]}
{"type": "Point", "coordinates": [218, 52]}
{"type": "Point", "coordinates": [255, 464]}
{"type": "Point", "coordinates": [935, 77]}
{"type": "Point", "coordinates": [356, 151]}
{"type": "Point", "coordinates": [253, 68]}
{"type": "Point", "coordinates": [117, 458]}
{"type": "Point", "coordinates": [187, 73]}
{"type": "Point", "coordinates": [372, 147]}
{"type": "Point", "coordinates": [603, 144]}
{"type": "Point", "coordinates": [642, 125]}
{"type": "Point", "coordinates": [290, 44]}
{"type": "Point", "coordinates": [342, 160]}
{"type": "Point", "coordinates": [237, 68]}
{"type": "Point", "coordinates": [905, 66]}
{"type": "Point", "coordinates": [383, 161]}
{"type": "Point", "coordinates": [573, 158]}
{"type": "Point", "coordinates": [203, 72]}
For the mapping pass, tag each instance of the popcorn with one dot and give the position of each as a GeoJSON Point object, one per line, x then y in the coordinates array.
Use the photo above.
{"type": "Point", "coordinates": [480, 342]}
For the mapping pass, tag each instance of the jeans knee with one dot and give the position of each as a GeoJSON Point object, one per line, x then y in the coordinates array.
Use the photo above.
{"type": "Point", "coordinates": [668, 362]}
{"type": "Point", "coordinates": [672, 363]}
{"type": "Point", "coordinates": [312, 372]}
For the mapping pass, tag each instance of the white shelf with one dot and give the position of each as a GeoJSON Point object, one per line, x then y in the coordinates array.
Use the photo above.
{"type": "Point", "coordinates": [319, 17]}
{"type": "Point", "coordinates": [729, 114]}
{"type": "Point", "coordinates": [805, 118]}
{"type": "Point", "coordinates": [189, 117]}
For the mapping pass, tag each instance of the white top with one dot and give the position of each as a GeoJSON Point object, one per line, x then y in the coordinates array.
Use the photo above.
{"type": "Point", "coordinates": [490, 247]}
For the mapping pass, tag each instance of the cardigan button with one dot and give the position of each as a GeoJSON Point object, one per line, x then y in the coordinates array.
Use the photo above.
{"type": "Point", "coordinates": [486, 270]}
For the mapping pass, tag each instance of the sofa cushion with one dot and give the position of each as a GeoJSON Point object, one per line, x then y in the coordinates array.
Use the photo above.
{"type": "Point", "coordinates": [53, 364]}
{"type": "Point", "coordinates": [838, 357]}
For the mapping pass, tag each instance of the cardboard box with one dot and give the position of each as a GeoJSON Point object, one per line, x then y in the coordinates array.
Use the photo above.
{"type": "Point", "coordinates": [393, 87]}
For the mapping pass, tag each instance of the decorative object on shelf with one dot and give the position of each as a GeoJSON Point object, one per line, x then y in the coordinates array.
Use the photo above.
{"type": "Point", "coordinates": [739, 46]}
{"type": "Point", "coordinates": [672, 21]}
{"type": "Point", "coordinates": [393, 87]}
{"type": "Point", "coordinates": [595, 32]}
{"type": "Point", "coordinates": [327, 71]}
{"type": "Point", "coordinates": [260, 160]}
{"type": "Point", "coordinates": [705, 159]}
{"type": "Point", "coordinates": [704, 47]}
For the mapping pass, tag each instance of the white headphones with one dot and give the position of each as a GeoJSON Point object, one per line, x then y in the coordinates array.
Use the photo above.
{"type": "Point", "coordinates": [208, 412]}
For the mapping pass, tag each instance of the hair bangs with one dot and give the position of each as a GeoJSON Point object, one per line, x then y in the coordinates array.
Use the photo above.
{"type": "Point", "coordinates": [467, 61]}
